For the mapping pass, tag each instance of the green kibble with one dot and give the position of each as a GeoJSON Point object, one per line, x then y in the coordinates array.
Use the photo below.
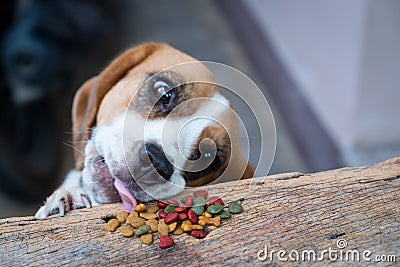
{"type": "Point", "coordinates": [169, 209]}
{"type": "Point", "coordinates": [198, 201]}
{"type": "Point", "coordinates": [214, 209]}
{"type": "Point", "coordinates": [198, 210]}
{"type": "Point", "coordinates": [235, 207]}
{"type": "Point", "coordinates": [142, 230]}
{"type": "Point", "coordinates": [224, 214]}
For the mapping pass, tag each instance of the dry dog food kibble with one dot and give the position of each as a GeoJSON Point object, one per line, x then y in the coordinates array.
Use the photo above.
{"type": "Point", "coordinates": [199, 201]}
{"type": "Point", "coordinates": [172, 227]}
{"type": "Point", "coordinates": [162, 214]}
{"type": "Point", "coordinates": [183, 216]}
{"type": "Point", "coordinates": [112, 225]}
{"type": "Point", "coordinates": [140, 207]}
{"type": "Point", "coordinates": [178, 230]}
{"type": "Point", "coordinates": [235, 207]}
{"type": "Point", "coordinates": [195, 216]}
{"type": "Point", "coordinates": [152, 209]}
{"type": "Point", "coordinates": [192, 217]}
{"type": "Point", "coordinates": [180, 209]}
{"type": "Point", "coordinates": [142, 230]}
{"type": "Point", "coordinates": [133, 214]}
{"type": "Point", "coordinates": [146, 239]}
{"type": "Point", "coordinates": [203, 221]}
{"type": "Point", "coordinates": [165, 242]}
{"type": "Point", "coordinates": [188, 201]}
{"type": "Point", "coordinates": [153, 223]}
{"type": "Point", "coordinates": [214, 200]}
{"type": "Point", "coordinates": [198, 210]}
{"type": "Point", "coordinates": [126, 231]}
{"type": "Point", "coordinates": [197, 234]}
{"type": "Point", "coordinates": [122, 215]}
{"type": "Point", "coordinates": [169, 209]}
{"type": "Point", "coordinates": [161, 205]}
{"type": "Point", "coordinates": [162, 227]}
{"type": "Point", "coordinates": [197, 227]}
{"type": "Point", "coordinates": [224, 214]}
{"type": "Point", "coordinates": [186, 226]}
{"type": "Point", "coordinates": [148, 216]}
{"type": "Point", "coordinates": [207, 214]}
{"type": "Point", "coordinates": [216, 221]}
{"type": "Point", "coordinates": [136, 222]}
{"type": "Point", "coordinates": [214, 209]}
{"type": "Point", "coordinates": [172, 217]}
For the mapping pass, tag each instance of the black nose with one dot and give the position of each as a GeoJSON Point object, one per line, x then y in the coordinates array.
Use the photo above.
{"type": "Point", "coordinates": [157, 158]}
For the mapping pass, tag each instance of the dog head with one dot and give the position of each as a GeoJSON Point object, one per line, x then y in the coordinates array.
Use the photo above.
{"type": "Point", "coordinates": [142, 130]}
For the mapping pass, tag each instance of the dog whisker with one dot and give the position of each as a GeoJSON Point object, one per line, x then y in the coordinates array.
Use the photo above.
{"type": "Point", "coordinates": [69, 145]}
{"type": "Point", "coordinates": [83, 132]}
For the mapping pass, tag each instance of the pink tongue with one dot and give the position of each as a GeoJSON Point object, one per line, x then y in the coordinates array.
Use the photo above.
{"type": "Point", "coordinates": [128, 201]}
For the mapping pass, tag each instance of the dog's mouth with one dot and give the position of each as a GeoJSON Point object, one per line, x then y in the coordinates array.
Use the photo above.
{"type": "Point", "coordinates": [105, 173]}
{"type": "Point", "coordinates": [103, 169]}
{"type": "Point", "coordinates": [128, 200]}
{"type": "Point", "coordinates": [129, 189]}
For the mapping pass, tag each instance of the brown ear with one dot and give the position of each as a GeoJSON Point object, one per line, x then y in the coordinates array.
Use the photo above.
{"type": "Point", "coordinates": [88, 98]}
{"type": "Point", "coordinates": [248, 173]}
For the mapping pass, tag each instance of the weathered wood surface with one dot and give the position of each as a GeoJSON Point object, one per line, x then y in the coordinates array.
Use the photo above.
{"type": "Point", "coordinates": [285, 212]}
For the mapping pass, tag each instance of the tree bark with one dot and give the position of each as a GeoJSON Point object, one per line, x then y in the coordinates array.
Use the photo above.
{"type": "Point", "coordinates": [293, 212]}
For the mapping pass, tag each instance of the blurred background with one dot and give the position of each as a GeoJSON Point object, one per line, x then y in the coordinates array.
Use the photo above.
{"type": "Point", "coordinates": [330, 71]}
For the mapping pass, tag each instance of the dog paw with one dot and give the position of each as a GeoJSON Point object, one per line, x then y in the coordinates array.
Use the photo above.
{"type": "Point", "coordinates": [63, 200]}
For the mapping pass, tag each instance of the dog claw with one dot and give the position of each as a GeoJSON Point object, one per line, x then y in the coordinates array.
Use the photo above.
{"type": "Point", "coordinates": [86, 201]}
{"type": "Point", "coordinates": [61, 208]}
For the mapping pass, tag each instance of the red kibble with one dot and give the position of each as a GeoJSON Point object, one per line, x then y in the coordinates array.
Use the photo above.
{"type": "Point", "coordinates": [162, 214]}
{"type": "Point", "coordinates": [173, 202]}
{"type": "Point", "coordinates": [192, 217]}
{"type": "Point", "coordinates": [200, 193]}
{"type": "Point", "coordinates": [165, 242]}
{"type": "Point", "coordinates": [172, 217]}
{"type": "Point", "coordinates": [197, 234]}
{"type": "Point", "coordinates": [188, 202]}
{"type": "Point", "coordinates": [180, 209]}
{"type": "Point", "coordinates": [161, 205]}
{"type": "Point", "coordinates": [214, 200]}
{"type": "Point", "coordinates": [183, 216]}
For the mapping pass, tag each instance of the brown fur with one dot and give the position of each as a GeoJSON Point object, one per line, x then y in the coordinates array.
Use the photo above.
{"type": "Point", "coordinates": [92, 92]}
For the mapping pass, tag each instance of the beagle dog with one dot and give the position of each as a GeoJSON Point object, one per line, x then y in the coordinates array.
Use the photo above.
{"type": "Point", "coordinates": [141, 126]}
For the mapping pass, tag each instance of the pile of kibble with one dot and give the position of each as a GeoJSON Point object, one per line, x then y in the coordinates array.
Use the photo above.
{"type": "Point", "coordinates": [191, 216]}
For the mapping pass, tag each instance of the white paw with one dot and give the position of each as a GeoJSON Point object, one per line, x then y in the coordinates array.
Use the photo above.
{"type": "Point", "coordinates": [62, 200]}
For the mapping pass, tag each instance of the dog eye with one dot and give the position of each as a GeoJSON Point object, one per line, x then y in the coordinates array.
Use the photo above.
{"type": "Point", "coordinates": [165, 91]}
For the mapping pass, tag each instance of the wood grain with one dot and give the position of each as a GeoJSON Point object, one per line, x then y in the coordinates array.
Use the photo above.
{"type": "Point", "coordinates": [284, 212]}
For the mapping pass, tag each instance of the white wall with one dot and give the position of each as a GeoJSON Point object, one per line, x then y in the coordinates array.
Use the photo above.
{"type": "Point", "coordinates": [345, 57]}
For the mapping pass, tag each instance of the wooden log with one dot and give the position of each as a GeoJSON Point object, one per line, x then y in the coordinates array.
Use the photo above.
{"type": "Point", "coordinates": [290, 212]}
